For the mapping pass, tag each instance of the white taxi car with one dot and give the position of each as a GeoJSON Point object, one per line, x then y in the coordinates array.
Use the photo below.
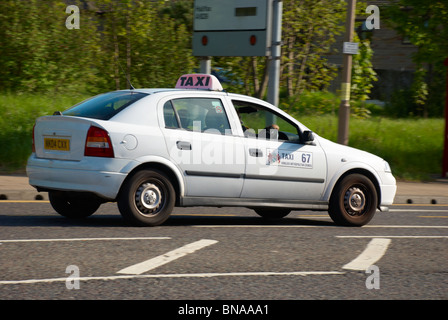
{"type": "Point", "coordinates": [197, 145]}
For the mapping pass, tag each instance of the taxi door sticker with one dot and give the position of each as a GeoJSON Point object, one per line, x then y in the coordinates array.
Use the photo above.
{"type": "Point", "coordinates": [288, 158]}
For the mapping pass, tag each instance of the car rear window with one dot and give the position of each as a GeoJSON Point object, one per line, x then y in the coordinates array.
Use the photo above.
{"type": "Point", "coordinates": [104, 106]}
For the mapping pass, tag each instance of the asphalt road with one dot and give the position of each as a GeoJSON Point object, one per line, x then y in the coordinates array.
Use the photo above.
{"type": "Point", "coordinates": [222, 253]}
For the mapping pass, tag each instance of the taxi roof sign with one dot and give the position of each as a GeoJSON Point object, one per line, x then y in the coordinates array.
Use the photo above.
{"type": "Point", "coordinates": [199, 81]}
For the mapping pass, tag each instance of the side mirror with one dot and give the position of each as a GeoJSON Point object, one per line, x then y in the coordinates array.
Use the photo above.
{"type": "Point", "coordinates": [307, 136]}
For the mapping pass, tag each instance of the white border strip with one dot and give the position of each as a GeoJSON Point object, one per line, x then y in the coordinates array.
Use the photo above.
{"type": "Point", "coordinates": [179, 275]}
{"type": "Point", "coordinates": [83, 239]}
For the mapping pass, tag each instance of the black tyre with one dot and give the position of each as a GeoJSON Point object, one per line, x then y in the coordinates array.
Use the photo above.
{"type": "Point", "coordinates": [353, 201]}
{"type": "Point", "coordinates": [73, 205]}
{"type": "Point", "coordinates": [272, 213]}
{"type": "Point", "coordinates": [147, 198]}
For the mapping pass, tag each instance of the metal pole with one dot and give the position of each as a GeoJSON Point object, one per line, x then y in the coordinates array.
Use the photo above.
{"type": "Point", "coordinates": [274, 63]}
{"type": "Point", "coordinates": [445, 149]}
{"type": "Point", "coordinates": [344, 108]}
{"type": "Point", "coordinates": [205, 65]}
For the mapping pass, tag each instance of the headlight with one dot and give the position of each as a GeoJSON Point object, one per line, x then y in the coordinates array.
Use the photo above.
{"type": "Point", "coordinates": [387, 167]}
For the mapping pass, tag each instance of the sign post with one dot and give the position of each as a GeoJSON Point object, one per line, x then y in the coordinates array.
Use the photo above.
{"type": "Point", "coordinates": [445, 149]}
{"type": "Point", "coordinates": [205, 65]}
{"type": "Point", "coordinates": [344, 108]}
{"type": "Point", "coordinates": [274, 63]}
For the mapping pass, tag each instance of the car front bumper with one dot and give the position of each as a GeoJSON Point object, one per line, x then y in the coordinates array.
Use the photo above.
{"type": "Point", "coordinates": [388, 189]}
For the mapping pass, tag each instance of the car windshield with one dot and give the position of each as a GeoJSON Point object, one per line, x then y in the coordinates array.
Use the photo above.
{"type": "Point", "coordinates": [104, 106]}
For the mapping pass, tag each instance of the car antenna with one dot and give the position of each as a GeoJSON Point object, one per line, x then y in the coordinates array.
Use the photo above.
{"type": "Point", "coordinates": [131, 87]}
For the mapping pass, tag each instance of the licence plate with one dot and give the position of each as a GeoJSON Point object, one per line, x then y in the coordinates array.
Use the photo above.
{"type": "Point", "coordinates": [56, 144]}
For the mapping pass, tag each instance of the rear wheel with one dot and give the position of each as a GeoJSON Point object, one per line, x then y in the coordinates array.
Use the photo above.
{"type": "Point", "coordinates": [73, 205]}
{"type": "Point", "coordinates": [147, 198]}
{"type": "Point", "coordinates": [354, 201]}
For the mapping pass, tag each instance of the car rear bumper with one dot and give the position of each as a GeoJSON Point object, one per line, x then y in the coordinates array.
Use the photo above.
{"type": "Point", "coordinates": [45, 174]}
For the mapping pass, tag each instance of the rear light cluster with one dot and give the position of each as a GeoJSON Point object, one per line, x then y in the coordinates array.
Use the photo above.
{"type": "Point", "coordinates": [98, 143]}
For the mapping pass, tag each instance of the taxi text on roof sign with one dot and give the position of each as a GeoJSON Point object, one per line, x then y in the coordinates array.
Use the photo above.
{"type": "Point", "coordinates": [199, 81]}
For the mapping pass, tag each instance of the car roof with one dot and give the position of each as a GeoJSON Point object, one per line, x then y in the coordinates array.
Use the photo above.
{"type": "Point", "coordinates": [152, 90]}
{"type": "Point", "coordinates": [161, 90]}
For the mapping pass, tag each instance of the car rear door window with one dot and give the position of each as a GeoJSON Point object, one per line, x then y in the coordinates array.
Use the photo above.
{"type": "Point", "coordinates": [199, 114]}
{"type": "Point", "coordinates": [170, 117]}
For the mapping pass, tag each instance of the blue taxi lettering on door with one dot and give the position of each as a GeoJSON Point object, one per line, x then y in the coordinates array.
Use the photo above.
{"type": "Point", "coordinates": [287, 156]}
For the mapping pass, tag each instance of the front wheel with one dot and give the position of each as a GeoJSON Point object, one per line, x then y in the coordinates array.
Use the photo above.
{"type": "Point", "coordinates": [147, 198]}
{"type": "Point", "coordinates": [354, 201]}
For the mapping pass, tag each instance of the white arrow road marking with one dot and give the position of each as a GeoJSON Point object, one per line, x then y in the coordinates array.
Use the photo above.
{"type": "Point", "coordinates": [372, 253]}
{"type": "Point", "coordinates": [153, 263]}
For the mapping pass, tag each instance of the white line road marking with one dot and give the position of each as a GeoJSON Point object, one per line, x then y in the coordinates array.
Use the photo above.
{"type": "Point", "coordinates": [153, 263]}
{"type": "Point", "coordinates": [405, 226]}
{"type": "Point", "coordinates": [417, 210]}
{"type": "Point", "coordinates": [178, 275]}
{"type": "Point", "coordinates": [372, 253]}
{"type": "Point", "coordinates": [83, 239]}
{"type": "Point", "coordinates": [316, 226]}
{"type": "Point", "coordinates": [399, 237]}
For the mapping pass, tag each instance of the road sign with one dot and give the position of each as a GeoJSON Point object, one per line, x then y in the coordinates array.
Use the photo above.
{"type": "Point", "coordinates": [350, 48]}
{"type": "Point", "coordinates": [232, 27]}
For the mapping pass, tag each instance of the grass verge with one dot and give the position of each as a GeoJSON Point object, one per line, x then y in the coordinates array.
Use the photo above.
{"type": "Point", "coordinates": [413, 147]}
{"type": "Point", "coordinates": [17, 116]}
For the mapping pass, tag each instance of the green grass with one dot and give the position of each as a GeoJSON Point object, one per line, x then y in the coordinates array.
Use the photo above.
{"type": "Point", "coordinates": [413, 147]}
{"type": "Point", "coordinates": [17, 116]}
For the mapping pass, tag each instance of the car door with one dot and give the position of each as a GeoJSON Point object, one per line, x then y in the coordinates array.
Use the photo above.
{"type": "Point", "coordinates": [200, 141]}
{"type": "Point", "coordinates": [278, 164]}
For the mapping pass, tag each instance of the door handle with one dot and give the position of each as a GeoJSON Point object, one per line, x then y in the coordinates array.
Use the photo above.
{"type": "Point", "coordinates": [255, 152]}
{"type": "Point", "coordinates": [183, 145]}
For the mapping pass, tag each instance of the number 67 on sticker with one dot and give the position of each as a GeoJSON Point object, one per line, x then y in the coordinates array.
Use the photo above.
{"type": "Point", "coordinates": [306, 157]}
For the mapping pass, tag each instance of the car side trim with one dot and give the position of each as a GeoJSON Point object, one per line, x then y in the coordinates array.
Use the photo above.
{"type": "Point", "coordinates": [296, 179]}
{"type": "Point", "coordinates": [250, 176]}
{"type": "Point", "coordinates": [213, 174]}
{"type": "Point", "coordinates": [253, 203]}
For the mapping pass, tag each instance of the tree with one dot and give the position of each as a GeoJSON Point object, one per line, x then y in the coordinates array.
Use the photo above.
{"type": "Point", "coordinates": [117, 39]}
{"type": "Point", "coordinates": [309, 28]}
{"type": "Point", "coordinates": [37, 51]}
{"type": "Point", "coordinates": [425, 24]}
{"type": "Point", "coordinates": [142, 39]}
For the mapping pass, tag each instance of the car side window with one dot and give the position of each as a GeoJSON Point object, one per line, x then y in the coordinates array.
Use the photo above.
{"type": "Point", "coordinates": [260, 122]}
{"type": "Point", "coordinates": [201, 114]}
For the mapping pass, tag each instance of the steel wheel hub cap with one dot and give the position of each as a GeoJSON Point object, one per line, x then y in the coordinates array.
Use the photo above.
{"type": "Point", "coordinates": [148, 197]}
{"type": "Point", "coordinates": [354, 201]}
